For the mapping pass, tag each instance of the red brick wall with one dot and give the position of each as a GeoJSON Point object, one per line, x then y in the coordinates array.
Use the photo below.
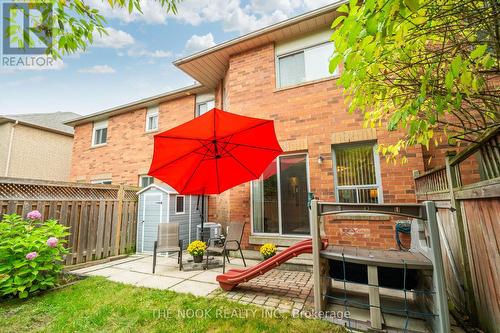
{"type": "Point", "coordinates": [314, 111]}
{"type": "Point", "coordinates": [372, 232]}
{"type": "Point", "coordinates": [129, 148]}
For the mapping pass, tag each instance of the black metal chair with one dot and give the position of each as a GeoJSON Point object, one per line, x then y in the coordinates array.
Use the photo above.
{"type": "Point", "coordinates": [168, 241]}
{"type": "Point", "coordinates": [232, 242]}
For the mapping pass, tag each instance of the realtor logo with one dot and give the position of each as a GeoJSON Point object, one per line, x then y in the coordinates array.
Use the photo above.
{"type": "Point", "coordinates": [26, 27]}
{"type": "Point", "coordinates": [26, 33]}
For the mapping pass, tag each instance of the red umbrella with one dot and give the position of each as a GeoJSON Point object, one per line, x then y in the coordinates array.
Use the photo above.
{"type": "Point", "coordinates": [214, 152]}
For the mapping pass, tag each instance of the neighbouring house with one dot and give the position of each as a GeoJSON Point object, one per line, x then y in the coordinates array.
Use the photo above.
{"type": "Point", "coordinates": [36, 145]}
{"type": "Point", "coordinates": [279, 72]}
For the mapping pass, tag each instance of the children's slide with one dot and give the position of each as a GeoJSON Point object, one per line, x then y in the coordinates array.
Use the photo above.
{"type": "Point", "coordinates": [233, 277]}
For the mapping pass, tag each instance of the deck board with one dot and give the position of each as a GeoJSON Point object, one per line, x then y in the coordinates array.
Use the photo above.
{"type": "Point", "coordinates": [382, 258]}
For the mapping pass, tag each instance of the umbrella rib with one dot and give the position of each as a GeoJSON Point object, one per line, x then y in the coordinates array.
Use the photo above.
{"type": "Point", "coordinates": [177, 137]}
{"type": "Point", "coordinates": [194, 171]}
{"type": "Point", "coordinates": [248, 128]}
{"type": "Point", "coordinates": [243, 165]}
{"type": "Point", "coordinates": [255, 147]}
{"type": "Point", "coordinates": [223, 137]}
{"type": "Point", "coordinates": [175, 160]}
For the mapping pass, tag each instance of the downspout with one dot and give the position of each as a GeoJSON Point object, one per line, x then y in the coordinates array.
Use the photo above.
{"type": "Point", "coordinates": [9, 151]}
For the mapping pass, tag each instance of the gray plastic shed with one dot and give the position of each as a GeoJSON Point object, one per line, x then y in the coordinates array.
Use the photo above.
{"type": "Point", "coordinates": [160, 203]}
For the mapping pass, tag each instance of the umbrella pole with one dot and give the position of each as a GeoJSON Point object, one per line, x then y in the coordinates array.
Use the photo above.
{"type": "Point", "coordinates": [202, 216]}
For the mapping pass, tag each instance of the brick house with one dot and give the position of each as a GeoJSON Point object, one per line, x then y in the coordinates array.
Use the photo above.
{"type": "Point", "coordinates": [279, 72]}
{"type": "Point", "coordinates": [36, 136]}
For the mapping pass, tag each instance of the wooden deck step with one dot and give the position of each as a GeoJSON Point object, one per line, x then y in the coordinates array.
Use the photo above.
{"type": "Point", "coordinates": [381, 258]}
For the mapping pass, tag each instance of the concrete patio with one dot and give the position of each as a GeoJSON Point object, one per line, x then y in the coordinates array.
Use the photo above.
{"type": "Point", "coordinates": [282, 290]}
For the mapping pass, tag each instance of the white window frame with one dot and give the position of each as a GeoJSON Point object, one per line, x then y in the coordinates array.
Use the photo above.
{"type": "Point", "coordinates": [145, 176]}
{"type": "Point", "coordinates": [203, 103]}
{"type": "Point", "coordinates": [153, 111]}
{"type": "Point", "coordinates": [278, 185]}
{"type": "Point", "coordinates": [97, 126]}
{"type": "Point", "coordinates": [101, 181]}
{"type": "Point", "coordinates": [376, 163]}
{"type": "Point", "coordinates": [306, 81]}
{"type": "Point", "coordinates": [183, 204]}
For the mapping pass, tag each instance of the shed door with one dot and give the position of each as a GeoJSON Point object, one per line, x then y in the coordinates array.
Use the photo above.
{"type": "Point", "coordinates": [152, 216]}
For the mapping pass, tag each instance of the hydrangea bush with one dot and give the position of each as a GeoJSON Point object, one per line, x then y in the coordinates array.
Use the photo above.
{"type": "Point", "coordinates": [31, 254]}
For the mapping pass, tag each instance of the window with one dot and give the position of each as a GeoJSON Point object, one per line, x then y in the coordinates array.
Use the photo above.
{"type": "Point", "coordinates": [145, 181]}
{"type": "Point", "coordinates": [204, 107]}
{"type": "Point", "coordinates": [179, 204]}
{"type": "Point", "coordinates": [305, 65]}
{"type": "Point", "coordinates": [100, 133]}
{"type": "Point", "coordinates": [101, 181]}
{"type": "Point", "coordinates": [279, 197]}
{"type": "Point", "coordinates": [357, 174]}
{"type": "Point", "coordinates": [152, 119]}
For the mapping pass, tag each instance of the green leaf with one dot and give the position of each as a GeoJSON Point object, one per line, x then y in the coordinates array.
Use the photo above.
{"type": "Point", "coordinates": [456, 65]}
{"type": "Point", "coordinates": [396, 117]}
{"type": "Point", "coordinates": [419, 20]}
{"type": "Point", "coordinates": [372, 25]}
{"type": "Point", "coordinates": [413, 5]}
{"type": "Point", "coordinates": [343, 9]}
{"type": "Point", "coordinates": [334, 63]}
{"type": "Point", "coordinates": [337, 21]}
{"type": "Point", "coordinates": [449, 80]}
{"type": "Point", "coordinates": [478, 51]}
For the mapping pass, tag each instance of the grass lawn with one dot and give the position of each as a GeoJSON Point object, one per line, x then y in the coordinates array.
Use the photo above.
{"type": "Point", "coordinates": [96, 304]}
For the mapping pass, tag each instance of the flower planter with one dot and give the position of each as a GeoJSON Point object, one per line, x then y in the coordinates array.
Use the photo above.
{"type": "Point", "coordinates": [197, 259]}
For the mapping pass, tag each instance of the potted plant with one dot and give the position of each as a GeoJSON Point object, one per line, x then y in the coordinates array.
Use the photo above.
{"type": "Point", "coordinates": [197, 249]}
{"type": "Point", "coordinates": [267, 250]}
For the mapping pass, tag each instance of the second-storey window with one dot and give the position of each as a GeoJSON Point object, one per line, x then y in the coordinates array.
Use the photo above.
{"type": "Point", "coordinates": [357, 173]}
{"type": "Point", "coordinates": [152, 119]}
{"type": "Point", "coordinates": [204, 107]}
{"type": "Point", "coordinates": [100, 133]}
{"type": "Point", "coordinates": [305, 65]}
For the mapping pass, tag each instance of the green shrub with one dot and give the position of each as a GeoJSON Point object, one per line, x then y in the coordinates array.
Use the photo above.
{"type": "Point", "coordinates": [30, 254]}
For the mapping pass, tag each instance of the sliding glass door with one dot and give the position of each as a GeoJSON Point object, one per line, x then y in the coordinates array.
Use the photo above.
{"type": "Point", "coordinates": [279, 197]}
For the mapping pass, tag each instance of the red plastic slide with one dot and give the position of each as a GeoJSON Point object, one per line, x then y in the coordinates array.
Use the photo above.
{"type": "Point", "coordinates": [233, 277]}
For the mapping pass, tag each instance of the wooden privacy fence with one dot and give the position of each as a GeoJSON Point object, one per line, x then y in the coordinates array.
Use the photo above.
{"type": "Point", "coordinates": [467, 193]}
{"type": "Point", "coordinates": [102, 219]}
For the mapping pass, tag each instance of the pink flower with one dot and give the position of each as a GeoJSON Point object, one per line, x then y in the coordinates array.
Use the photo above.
{"type": "Point", "coordinates": [52, 242]}
{"type": "Point", "coordinates": [34, 215]}
{"type": "Point", "coordinates": [31, 255]}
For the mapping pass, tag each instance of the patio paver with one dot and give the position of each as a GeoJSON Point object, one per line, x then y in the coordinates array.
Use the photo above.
{"type": "Point", "coordinates": [195, 287]}
{"type": "Point", "coordinates": [104, 271]}
{"type": "Point", "coordinates": [206, 276]}
{"type": "Point", "coordinates": [159, 282]}
{"type": "Point", "coordinates": [127, 277]}
{"type": "Point", "coordinates": [169, 271]}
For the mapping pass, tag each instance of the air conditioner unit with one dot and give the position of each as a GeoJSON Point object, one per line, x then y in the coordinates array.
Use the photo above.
{"type": "Point", "coordinates": [210, 230]}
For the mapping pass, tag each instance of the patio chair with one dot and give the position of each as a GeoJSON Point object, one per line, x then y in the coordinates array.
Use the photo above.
{"type": "Point", "coordinates": [232, 242]}
{"type": "Point", "coordinates": [168, 241]}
